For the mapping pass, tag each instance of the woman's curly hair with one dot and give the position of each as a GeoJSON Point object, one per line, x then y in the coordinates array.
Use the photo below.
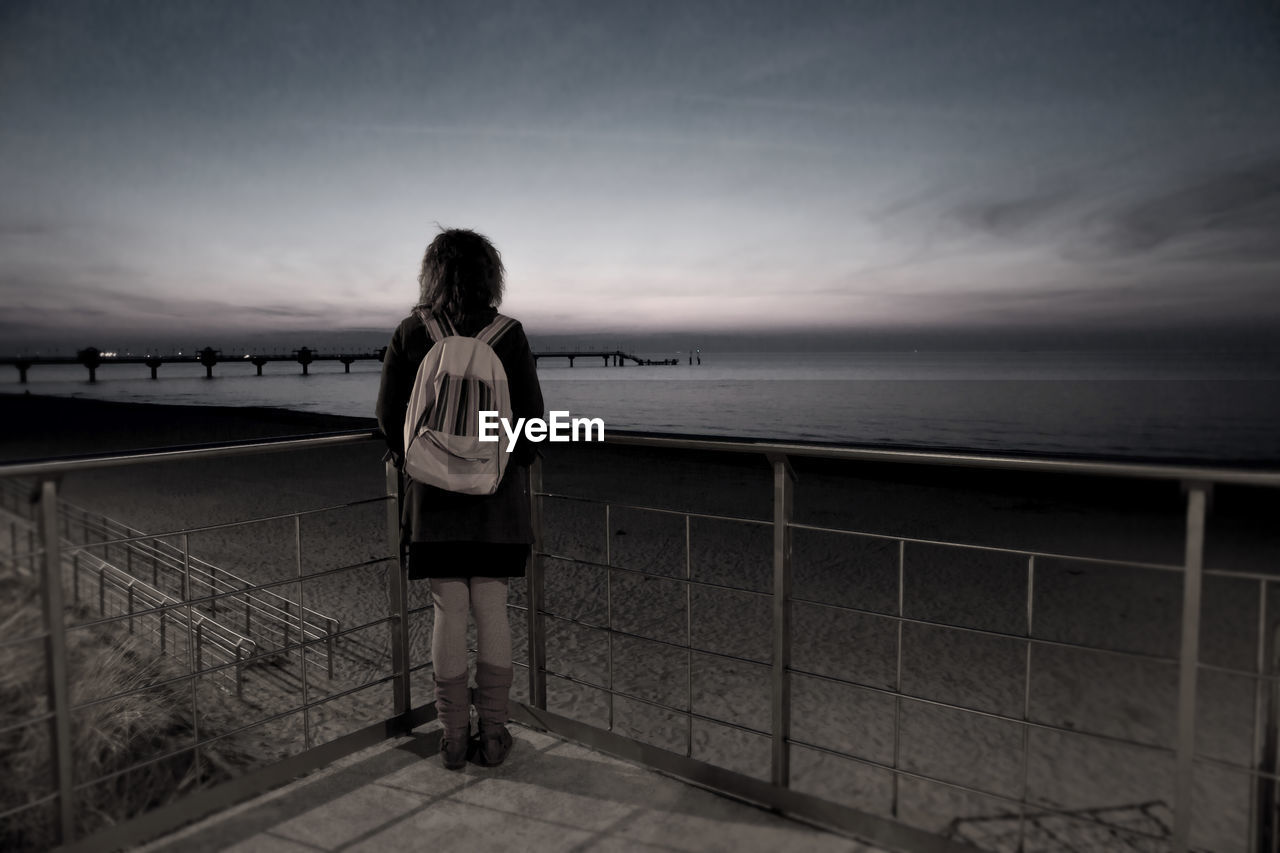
{"type": "Point", "coordinates": [462, 273]}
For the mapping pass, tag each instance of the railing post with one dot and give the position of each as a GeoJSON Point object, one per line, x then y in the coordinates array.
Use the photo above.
{"type": "Point", "coordinates": [163, 619]}
{"type": "Point", "coordinates": [1188, 664]}
{"type": "Point", "coordinates": [1263, 810]}
{"type": "Point", "coordinates": [56, 660]}
{"type": "Point", "coordinates": [129, 599]}
{"type": "Point", "coordinates": [397, 587]}
{"type": "Point", "coordinates": [239, 672]}
{"type": "Point", "coordinates": [302, 637]}
{"type": "Point", "coordinates": [199, 643]}
{"type": "Point", "coordinates": [536, 641]}
{"type": "Point", "coordinates": [192, 661]}
{"type": "Point", "coordinates": [102, 590]}
{"type": "Point", "coordinates": [75, 577]}
{"type": "Point", "coordinates": [332, 625]}
{"type": "Point", "coordinates": [783, 503]}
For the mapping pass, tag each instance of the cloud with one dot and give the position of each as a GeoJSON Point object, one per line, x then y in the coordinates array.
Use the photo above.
{"type": "Point", "coordinates": [1017, 216]}
{"type": "Point", "coordinates": [1231, 215]}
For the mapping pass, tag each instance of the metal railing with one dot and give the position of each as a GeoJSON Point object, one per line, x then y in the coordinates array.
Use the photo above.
{"type": "Point", "coordinates": [246, 623]}
{"type": "Point", "coordinates": [1031, 810]}
{"type": "Point", "coordinates": [770, 782]}
{"type": "Point", "coordinates": [182, 621]}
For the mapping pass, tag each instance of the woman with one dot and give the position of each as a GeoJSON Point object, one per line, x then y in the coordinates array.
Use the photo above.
{"type": "Point", "coordinates": [467, 546]}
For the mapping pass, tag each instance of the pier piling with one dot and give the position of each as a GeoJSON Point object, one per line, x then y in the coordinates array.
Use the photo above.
{"type": "Point", "coordinates": [90, 357]}
{"type": "Point", "coordinates": [209, 357]}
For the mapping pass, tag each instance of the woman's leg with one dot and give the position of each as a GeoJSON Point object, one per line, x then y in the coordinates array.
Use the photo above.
{"type": "Point", "coordinates": [493, 630]}
{"type": "Point", "coordinates": [449, 631]}
{"type": "Point", "coordinates": [493, 668]}
{"type": "Point", "coordinates": [449, 659]}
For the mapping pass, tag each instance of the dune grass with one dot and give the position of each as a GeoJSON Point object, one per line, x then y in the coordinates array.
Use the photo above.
{"type": "Point", "coordinates": [108, 737]}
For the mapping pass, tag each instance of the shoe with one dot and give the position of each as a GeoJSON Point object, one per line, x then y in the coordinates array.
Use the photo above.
{"type": "Point", "coordinates": [454, 752]}
{"type": "Point", "coordinates": [491, 747]}
{"type": "Point", "coordinates": [454, 713]}
{"type": "Point", "coordinates": [491, 698]}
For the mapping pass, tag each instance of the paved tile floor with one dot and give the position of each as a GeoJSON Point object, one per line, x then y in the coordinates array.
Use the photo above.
{"type": "Point", "coordinates": [550, 795]}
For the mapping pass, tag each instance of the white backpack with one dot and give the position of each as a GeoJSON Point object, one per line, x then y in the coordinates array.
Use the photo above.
{"type": "Point", "coordinates": [459, 378]}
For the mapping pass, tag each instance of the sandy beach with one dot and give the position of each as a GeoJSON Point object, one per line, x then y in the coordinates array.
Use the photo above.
{"type": "Point", "coordinates": [975, 597]}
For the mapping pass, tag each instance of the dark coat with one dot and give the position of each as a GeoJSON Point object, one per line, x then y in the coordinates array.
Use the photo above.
{"type": "Point", "coordinates": [435, 515]}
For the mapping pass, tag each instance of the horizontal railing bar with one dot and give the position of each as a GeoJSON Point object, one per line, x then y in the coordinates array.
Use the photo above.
{"type": "Point", "coordinates": [218, 450]}
{"type": "Point", "coordinates": [808, 808]}
{"type": "Point", "coordinates": [1036, 464]}
{"type": "Point", "coordinates": [235, 592]}
{"type": "Point", "coordinates": [270, 612]}
{"type": "Point", "coordinates": [1017, 552]}
{"type": "Point", "coordinates": [205, 802]}
{"type": "Point", "coordinates": [986, 632]}
{"type": "Point", "coordinates": [620, 633]}
{"type": "Point", "coordinates": [1243, 673]}
{"type": "Point", "coordinates": [658, 509]}
{"type": "Point", "coordinates": [275, 624]}
{"type": "Point", "coordinates": [1034, 724]}
{"type": "Point", "coordinates": [120, 581]}
{"type": "Point", "coordinates": [681, 711]}
{"type": "Point", "coordinates": [1240, 575]}
{"type": "Point", "coordinates": [1044, 806]}
{"type": "Point", "coordinates": [1104, 468]}
{"type": "Point", "coordinates": [209, 670]}
{"type": "Point", "coordinates": [215, 628]}
{"type": "Point", "coordinates": [204, 742]}
{"type": "Point", "coordinates": [45, 800]}
{"type": "Point", "coordinates": [224, 525]}
{"type": "Point", "coordinates": [1244, 770]}
{"type": "Point", "coordinates": [1021, 552]}
{"type": "Point", "coordinates": [211, 575]}
{"type": "Point", "coordinates": [938, 703]}
{"type": "Point", "coordinates": [708, 584]}
{"type": "Point", "coordinates": [862, 611]}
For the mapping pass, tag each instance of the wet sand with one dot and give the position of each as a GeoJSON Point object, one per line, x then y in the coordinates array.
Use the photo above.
{"type": "Point", "coordinates": [1121, 608]}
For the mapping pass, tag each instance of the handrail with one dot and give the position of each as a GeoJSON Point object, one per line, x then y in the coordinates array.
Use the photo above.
{"type": "Point", "coordinates": [854, 453]}
{"type": "Point", "coordinates": [213, 450]}
{"type": "Point", "coordinates": [966, 459]}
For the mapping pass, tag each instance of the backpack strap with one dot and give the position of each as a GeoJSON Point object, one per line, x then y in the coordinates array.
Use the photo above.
{"type": "Point", "coordinates": [491, 333]}
{"type": "Point", "coordinates": [438, 328]}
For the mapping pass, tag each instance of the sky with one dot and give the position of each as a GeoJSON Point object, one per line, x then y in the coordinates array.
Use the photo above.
{"type": "Point", "coordinates": [839, 171]}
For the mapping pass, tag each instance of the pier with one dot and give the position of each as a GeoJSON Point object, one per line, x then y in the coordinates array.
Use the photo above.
{"type": "Point", "coordinates": [612, 358]}
{"type": "Point", "coordinates": [92, 358]}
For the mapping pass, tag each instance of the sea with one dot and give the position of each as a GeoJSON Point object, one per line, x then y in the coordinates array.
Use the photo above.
{"type": "Point", "coordinates": [1219, 407]}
